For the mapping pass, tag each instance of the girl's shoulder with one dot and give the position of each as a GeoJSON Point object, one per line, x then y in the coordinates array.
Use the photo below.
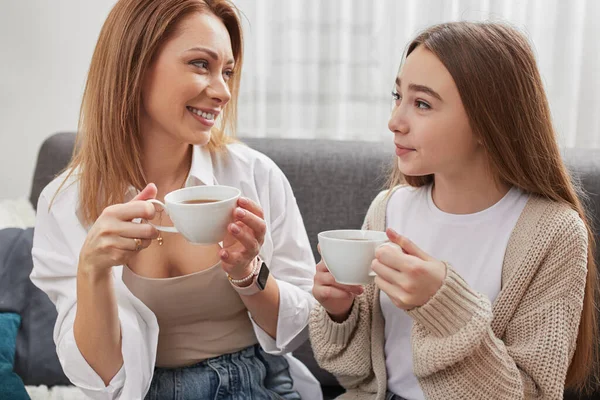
{"type": "Point", "coordinates": [549, 218]}
{"type": "Point", "coordinates": [376, 214]}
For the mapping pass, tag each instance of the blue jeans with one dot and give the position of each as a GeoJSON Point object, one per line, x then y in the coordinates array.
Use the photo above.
{"type": "Point", "coordinates": [250, 374]}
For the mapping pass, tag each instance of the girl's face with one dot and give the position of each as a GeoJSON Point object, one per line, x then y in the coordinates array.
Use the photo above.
{"type": "Point", "coordinates": [430, 126]}
{"type": "Point", "coordinates": [185, 89]}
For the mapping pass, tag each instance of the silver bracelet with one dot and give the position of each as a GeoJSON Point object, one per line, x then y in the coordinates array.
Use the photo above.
{"type": "Point", "coordinates": [243, 280]}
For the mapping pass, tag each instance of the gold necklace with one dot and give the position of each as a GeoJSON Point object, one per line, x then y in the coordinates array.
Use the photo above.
{"type": "Point", "coordinates": [159, 239]}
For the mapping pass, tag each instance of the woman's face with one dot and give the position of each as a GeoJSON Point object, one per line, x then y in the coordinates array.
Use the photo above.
{"type": "Point", "coordinates": [430, 126]}
{"type": "Point", "coordinates": [185, 89]}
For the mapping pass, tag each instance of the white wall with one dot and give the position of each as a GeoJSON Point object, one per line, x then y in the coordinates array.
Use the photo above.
{"type": "Point", "coordinates": [45, 50]}
{"type": "Point", "coordinates": [46, 47]}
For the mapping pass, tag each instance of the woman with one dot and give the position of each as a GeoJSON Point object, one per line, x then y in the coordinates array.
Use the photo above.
{"type": "Point", "coordinates": [509, 312]}
{"type": "Point", "coordinates": [164, 319]}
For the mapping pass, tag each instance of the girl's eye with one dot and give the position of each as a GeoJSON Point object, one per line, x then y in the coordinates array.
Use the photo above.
{"type": "Point", "coordinates": [395, 95]}
{"type": "Point", "coordinates": [422, 105]}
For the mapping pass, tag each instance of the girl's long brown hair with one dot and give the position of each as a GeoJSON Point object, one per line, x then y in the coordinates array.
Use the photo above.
{"type": "Point", "coordinates": [107, 157]}
{"type": "Point", "coordinates": [495, 71]}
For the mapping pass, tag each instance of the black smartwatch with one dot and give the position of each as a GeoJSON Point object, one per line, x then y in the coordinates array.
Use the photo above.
{"type": "Point", "coordinates": [263, 275]}
{"type": "Point", "coordinates": [260, 276]}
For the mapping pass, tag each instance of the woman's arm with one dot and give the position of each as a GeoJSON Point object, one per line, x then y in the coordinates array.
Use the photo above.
{"type": "Point", "coordinates": [112, 339]}
{"type": "Point", "coordinates": [96, 328]}
{"type": "Point", "coordinates": [280, 312]}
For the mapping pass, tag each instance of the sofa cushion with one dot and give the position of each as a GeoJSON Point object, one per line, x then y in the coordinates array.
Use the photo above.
{"type": "Point", "coordinates": [36, 361]}
{"type": "Point", "coordinates": [11, 386]}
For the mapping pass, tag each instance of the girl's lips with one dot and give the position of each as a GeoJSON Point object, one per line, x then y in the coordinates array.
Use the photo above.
{"type": "Point", "coordinates": [401, 150]}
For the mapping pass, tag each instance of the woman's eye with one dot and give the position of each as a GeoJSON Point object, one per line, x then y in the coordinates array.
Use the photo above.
{"type": "Point", "coordinates": [200, 64]}
{"type": "Point", "coordinates": [395, 95]}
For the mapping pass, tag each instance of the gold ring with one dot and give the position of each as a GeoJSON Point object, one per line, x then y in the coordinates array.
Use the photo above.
{"type": "Point", "coordinates": [138, 244]}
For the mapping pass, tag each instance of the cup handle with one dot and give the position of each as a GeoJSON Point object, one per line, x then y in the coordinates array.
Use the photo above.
{"type": "Point", "coordinates": [171, 229]}
{"type": "Point", "coordinates": [372, 273]}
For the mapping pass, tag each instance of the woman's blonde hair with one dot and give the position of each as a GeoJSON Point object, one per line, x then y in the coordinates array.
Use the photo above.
{"type": "Point", "coordinates": [497, 78]}
{"type": "Point", "coordinates": [107, 156]}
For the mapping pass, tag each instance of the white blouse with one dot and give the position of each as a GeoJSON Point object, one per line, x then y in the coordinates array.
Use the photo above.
{"type": "Point", "coordinates": [59, 236]}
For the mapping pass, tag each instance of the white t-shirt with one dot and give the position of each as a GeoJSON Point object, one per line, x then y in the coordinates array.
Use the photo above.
{"type": "Point", "coordinates": [474, 244]}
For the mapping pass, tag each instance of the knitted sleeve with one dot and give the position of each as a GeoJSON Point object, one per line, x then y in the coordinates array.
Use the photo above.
{"type": "Point", "coordinates": [457, 354]}
{"type": "Point", "coordinates": [345, 349]}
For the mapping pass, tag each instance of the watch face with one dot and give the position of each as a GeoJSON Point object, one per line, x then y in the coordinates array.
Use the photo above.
{"type": "Point", "coordinates": [263, 275]}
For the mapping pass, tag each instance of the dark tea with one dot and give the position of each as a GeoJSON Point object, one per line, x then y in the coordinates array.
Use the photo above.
{"type": "Point", "coordinates": [201, 201]}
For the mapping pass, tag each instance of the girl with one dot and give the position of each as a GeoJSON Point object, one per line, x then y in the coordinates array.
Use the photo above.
{"type": "Point", "coordinates": [486, 290]}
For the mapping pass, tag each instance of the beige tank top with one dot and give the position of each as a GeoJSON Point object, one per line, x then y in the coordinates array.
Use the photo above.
{"type": "Point", "coordinates": [199, 315]}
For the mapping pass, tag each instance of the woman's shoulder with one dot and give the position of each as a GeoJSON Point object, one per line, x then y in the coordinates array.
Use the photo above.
{"type": "Point", "coordinates": [246, 157]}
{"type": "Point", "coordinates": [63, 188]}
{"type": "Point", "coordinates": [57, 217]}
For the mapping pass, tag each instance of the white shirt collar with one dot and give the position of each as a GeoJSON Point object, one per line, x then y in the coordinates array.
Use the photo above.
{"type": "Point", "coordinates": [202, 168]}
{"type": "Point", "coordinates": [201, 171]}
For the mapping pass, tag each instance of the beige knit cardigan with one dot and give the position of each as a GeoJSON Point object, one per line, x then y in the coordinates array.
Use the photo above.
{"type": "Point", "coordinates": [464, 347]}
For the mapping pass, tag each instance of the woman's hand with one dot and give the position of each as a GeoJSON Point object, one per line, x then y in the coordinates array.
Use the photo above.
{"type": "Point", "coordinates": [244, 239]}
{"type": "Point", "coordinates": [114, 239]}
{"type": "Point", "coordinates": [408, 275]}
{"type": "Point", "coordinates": [336, 298]}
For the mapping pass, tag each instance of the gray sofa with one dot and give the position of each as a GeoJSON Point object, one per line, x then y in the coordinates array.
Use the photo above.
{"type": "Point", "coordinates": [334, 183]}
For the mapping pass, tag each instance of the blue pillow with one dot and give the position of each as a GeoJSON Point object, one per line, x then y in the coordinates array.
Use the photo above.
{"type": "Point", "coordinates": [11, 386]}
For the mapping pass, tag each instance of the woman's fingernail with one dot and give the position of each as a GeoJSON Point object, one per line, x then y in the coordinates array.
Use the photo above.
{"type": "Point", "coordinates": [240, 213]}
{"type": "Point", "coordinates": [235, 229]}
{"type": "Point", "coordinates": [243, 200]}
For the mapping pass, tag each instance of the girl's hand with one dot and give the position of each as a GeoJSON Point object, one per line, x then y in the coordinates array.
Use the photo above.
{"type": "Point", "coordinates": [336, 298]}
{"type": "Point", "coordinates": [408, 275]}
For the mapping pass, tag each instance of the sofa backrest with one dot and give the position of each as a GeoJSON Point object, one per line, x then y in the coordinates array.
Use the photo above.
{"type": "Point", "coordinates": [333, 181]}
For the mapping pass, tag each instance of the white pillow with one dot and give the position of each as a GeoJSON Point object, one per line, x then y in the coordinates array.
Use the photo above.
{"type": "Point", "coordinates": [56, 393]}
{"type": "Point", "coordinates": [18, 213]}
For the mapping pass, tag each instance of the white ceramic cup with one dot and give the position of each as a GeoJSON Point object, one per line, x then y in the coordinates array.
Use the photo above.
{"type": "Point", "coordinates": [204, 223]}
{"type": "Point", "coordinates": [348, 254]}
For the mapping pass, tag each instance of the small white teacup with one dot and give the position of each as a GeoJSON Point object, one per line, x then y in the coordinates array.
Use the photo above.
{"type": "Point", "coordinates": [200, 213]}
{"type": "Point", "coordinates": [348, 254]}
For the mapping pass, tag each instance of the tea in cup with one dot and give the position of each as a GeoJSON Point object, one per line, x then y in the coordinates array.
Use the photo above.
{"type": "Point", "coordinates": [348, 254]}
{"type": "Point", "coordinates": [200, 213]}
